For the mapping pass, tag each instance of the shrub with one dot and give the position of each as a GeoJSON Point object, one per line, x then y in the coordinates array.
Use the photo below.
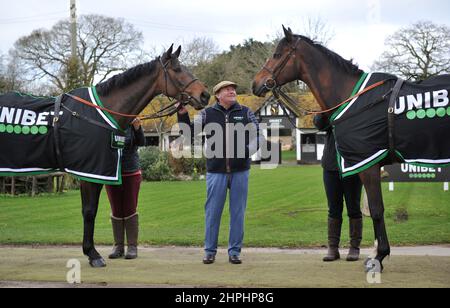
{"type": "Point", "coordinates": [193, 167]}
{"type": "Point", "coordinates": [154, 164]}
{"type": "Point", "coordinates": [401, 214]}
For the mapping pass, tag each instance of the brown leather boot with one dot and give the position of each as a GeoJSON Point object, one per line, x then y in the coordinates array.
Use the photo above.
{"type": "Point", "coordinates": [119, 238]}
{"type": "Point", "coordinates": [132, 231]}
{"type": "Point", "coordinates": [334, 237]}
{"type": "Point", "coordinates": [355, 238]}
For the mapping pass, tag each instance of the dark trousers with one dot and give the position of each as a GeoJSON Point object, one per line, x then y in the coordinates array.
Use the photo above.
{"type": "Point", "coordinates": [338, 189]}
{"type": "Point", "coordinates": [124, 198]}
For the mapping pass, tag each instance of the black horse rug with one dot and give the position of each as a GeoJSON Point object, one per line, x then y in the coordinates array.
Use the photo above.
{"type": "Point", "coordinates": [421, 124]}
{"type": "Point", "coordinates": [89, 140]}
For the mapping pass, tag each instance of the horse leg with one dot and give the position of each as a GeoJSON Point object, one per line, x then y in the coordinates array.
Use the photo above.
{"type": "Point", "coordinates": [90, 194]}
{"type": "Point", "coordinates": [372, 182]}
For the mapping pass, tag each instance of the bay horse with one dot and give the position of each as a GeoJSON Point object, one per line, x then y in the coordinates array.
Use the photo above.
{"type": "Point", "coordinates": [332, 80]}
{"type": "Point", "coordinates": [113, 105]}
{"type": "Point", "coordinates": [129, 93]}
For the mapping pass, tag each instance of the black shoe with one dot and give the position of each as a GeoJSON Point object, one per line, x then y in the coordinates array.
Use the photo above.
{"type": "Point", "coordinates": [209, 259]}
{"type": "Point", "coordinates": [235, 260]}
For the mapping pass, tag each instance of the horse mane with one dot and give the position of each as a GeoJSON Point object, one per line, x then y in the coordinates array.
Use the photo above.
{"type": "Point", "coordinates": [347, 65]}
{"type": "Point", "coordinates": [124, 79]}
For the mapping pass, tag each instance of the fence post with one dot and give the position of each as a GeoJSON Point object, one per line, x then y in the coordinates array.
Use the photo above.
{"type": "Point", "coordinates": [13, 186]}
{"type": "Point", "coordinates": [366, 209]}
{"type": "Point", "coordinates": [391, 186]}
{"type": "Point", "coordinates": [33, 186]}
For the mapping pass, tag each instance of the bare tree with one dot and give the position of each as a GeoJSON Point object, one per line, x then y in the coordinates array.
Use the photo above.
{"type": "Point", "coordinates": [105, 45]}
{"type": "Point", "coordinates": [199, 50]}
{"type": "Point", "coordinates": [318, 30]}
{"type": "Point", "coordinates": [3, 84]}
{"type": "Point", "coordinates": [10, 75]}
{"type": "Point", "coordinates": [417, 52]}
{"type": "Point", "coordinates": [315, 28]}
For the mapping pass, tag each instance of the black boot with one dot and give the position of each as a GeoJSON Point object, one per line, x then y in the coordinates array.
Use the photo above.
{"type": "Point", "coordinates": [119, 238]}
{"type": "Point", "coordinates": [355, 238]}
{"type": "Point", "coordinates": [334, 237]}
{"type": "Point", "coordinates": [132, 231]}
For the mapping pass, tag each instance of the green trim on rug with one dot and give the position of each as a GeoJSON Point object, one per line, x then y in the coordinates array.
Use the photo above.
{"type": "Point", "coordinates": [107, 114]}
{"type": "Point", "coordinates": [355, 90]}
{"type": "Point", "coordinates": [31, 173]}
{"type": "Point", "coordinates": [427, 165]}
{"type": "Point", "coordinates": [97, 181]}
{"type": "Point", "coordinates": [366, 166]}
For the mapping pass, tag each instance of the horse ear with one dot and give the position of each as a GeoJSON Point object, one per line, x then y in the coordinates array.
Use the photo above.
{"type": "Point", "coordinates": [287, 33]}
{"type": "Point", "coordinates": [169, 51]}
{"type": "Point", "coordinates": [168, 54]}
{"type": "Point", "coordinates": [177, 52]}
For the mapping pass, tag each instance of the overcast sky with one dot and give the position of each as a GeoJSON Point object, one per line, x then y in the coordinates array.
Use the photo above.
{"type": "Point", "coordinates": [360, 26]}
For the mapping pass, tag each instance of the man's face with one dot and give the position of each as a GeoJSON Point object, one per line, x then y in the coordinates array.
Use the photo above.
{"type": "Point", "coordinates": [226, 95]}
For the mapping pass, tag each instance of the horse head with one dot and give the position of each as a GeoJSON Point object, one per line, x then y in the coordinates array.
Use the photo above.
{"type": "Point", "coordinates": [177, 82]}
{"type": "Point", "coordinates": [281, 68]}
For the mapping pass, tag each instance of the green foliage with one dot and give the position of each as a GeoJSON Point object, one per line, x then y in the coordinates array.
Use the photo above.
{"type": "Point", "coordinates": [73, 75]}
{"type": "Point", "coordinates": [401, 214]}
{"type": "Point", "coordinates": [155, 164]}
{"type": "Point", "coordinates": [71, 182]}
{"type": "Point", "coordinates": [188, 166]}
{"type": "Point", "coordinates": [239, 64]}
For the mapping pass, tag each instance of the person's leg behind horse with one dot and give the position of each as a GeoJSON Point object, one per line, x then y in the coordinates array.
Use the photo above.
{"type": "Point", "coordinates": [334, 192]}
{"type": "Point", "coordinates": [116, 200]}
{"type": "Point", "coordinates": [131, 186]}
{"type": "Point", "coordinates": [352, 194]}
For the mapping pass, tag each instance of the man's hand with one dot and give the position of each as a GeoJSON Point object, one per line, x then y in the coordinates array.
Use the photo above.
{"type": "Point", "coordinates": [181, 109]}
{"type": "Point", "coordinates": [136, 123]}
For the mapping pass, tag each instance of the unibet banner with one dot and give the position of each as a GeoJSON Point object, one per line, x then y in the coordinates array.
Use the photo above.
{"type": "Point", "coordinates": [410, 173]}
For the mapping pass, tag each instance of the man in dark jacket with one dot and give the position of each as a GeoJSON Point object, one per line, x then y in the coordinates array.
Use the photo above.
{"type": "Point", "coordinates": [228, 163]}
{"type": "Point", "coordinates": [336, 190]}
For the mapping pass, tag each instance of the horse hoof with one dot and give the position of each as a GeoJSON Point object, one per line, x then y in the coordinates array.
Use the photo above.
{"type": "Point", "coordinates": [100, 262]}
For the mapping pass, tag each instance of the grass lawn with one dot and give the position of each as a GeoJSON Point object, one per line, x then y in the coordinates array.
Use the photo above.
{"type": "Point", "coordinates": [289, 156]}
{"type": "Point", "coordinates": [286, 208]}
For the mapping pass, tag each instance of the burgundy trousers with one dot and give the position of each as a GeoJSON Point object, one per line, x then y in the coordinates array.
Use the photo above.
{"type": "Point", "coordinates": [124, 198]}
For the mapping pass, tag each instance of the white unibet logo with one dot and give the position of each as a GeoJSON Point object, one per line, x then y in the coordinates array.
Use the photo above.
{"type": "Point", "coordinates": [24, 117]}
{"type": "Point", "coordinates": [435, 99]}
{"type": "Point", "coordinates": [74, 274]}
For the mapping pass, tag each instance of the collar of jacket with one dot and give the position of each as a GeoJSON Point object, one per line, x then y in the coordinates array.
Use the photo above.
{"type": "Point", "coordinates": [234, 107]}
